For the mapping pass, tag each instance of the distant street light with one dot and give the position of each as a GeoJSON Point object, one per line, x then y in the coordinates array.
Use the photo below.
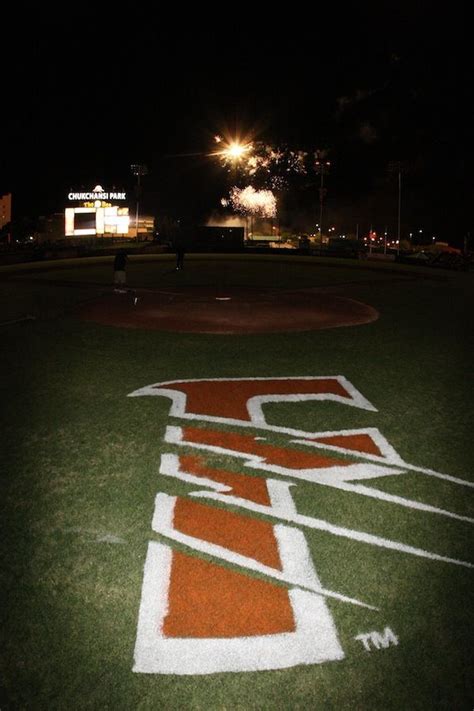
{"type": "Point", "coordinates": [138, 170]}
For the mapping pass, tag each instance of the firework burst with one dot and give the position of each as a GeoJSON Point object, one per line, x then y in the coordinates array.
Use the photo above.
{"type": "Point", "coordinates": [248, 201]}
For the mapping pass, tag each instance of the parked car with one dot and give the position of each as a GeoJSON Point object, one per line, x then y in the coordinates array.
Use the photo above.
{"type": "Point", "coordinates": [420, 257]}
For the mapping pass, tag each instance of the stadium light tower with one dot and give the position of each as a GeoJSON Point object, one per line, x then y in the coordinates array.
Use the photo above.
{"type": "Point", "coordinates": [138, 170]}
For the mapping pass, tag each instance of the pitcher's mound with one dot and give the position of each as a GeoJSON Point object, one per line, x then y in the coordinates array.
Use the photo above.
{"type": "Point", "coordinates": [226, 311]}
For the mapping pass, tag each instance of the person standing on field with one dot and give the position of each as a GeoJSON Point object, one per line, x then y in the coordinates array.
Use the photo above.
{"type": "Point", "coordinates": [120, 264]}
{"type": "Point", "coordinates": [179, 244]}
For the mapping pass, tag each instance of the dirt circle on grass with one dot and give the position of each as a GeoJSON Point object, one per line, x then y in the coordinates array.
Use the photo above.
{"type": "Point", "coordinates": [226, 311]}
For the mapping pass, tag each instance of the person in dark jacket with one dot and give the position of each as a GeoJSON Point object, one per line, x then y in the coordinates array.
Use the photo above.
{"type": "Point", "coordinates": [120, 264]}
{"type": "Point", "coordinates": [179, 244]}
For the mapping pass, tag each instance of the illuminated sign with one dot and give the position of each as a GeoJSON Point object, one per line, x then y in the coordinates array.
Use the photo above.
{"type": "Point", "coordinates": [97, 196]}
{"type": "Point", "coordinates": [97, 215]}
{"type": "Point", "coordinates": [98, 193]}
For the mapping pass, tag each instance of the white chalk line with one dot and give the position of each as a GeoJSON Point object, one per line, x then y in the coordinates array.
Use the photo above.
{"type": "Point", "coordinates": [334, 477]}
{"type": "Point", "coordinates": [162, 524]}
{"type": "Point", "coordinates": [308, 521]}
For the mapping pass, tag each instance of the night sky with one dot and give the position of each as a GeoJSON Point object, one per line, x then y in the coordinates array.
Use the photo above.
{"type": "Point", "coordinates": [374, 85]}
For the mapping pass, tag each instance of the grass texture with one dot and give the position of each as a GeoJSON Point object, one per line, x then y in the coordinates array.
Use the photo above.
{"type": "Point", "coordinates": [80, 472]}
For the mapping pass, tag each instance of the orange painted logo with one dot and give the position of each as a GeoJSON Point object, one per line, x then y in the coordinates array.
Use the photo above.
{"type": "Point", "coordinates": [230, 583]}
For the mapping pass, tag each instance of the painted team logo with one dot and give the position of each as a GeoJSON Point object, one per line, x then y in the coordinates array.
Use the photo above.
{"type": "Point", "coordinates": [234, 587]}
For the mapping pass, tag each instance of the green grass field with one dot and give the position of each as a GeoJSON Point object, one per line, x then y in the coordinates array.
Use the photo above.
{"type": "Point", "coordinates": [80, 472]}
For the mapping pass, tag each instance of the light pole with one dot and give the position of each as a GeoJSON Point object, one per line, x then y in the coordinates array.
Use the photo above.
{"type": "Point", "coordinates": [138, 170]}
{"type": "Point", "coordinates": [232, 152]}
{"type": "Point", "coordinates": [396, 166]}
{"type": "Point", "coordinates": [322, 167]}
{"type": "Point", "coordinates": [399, 204]}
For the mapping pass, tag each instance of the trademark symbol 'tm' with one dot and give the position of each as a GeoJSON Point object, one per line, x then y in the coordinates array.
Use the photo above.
{"type": "Point", "coordinates": [377, 640]}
